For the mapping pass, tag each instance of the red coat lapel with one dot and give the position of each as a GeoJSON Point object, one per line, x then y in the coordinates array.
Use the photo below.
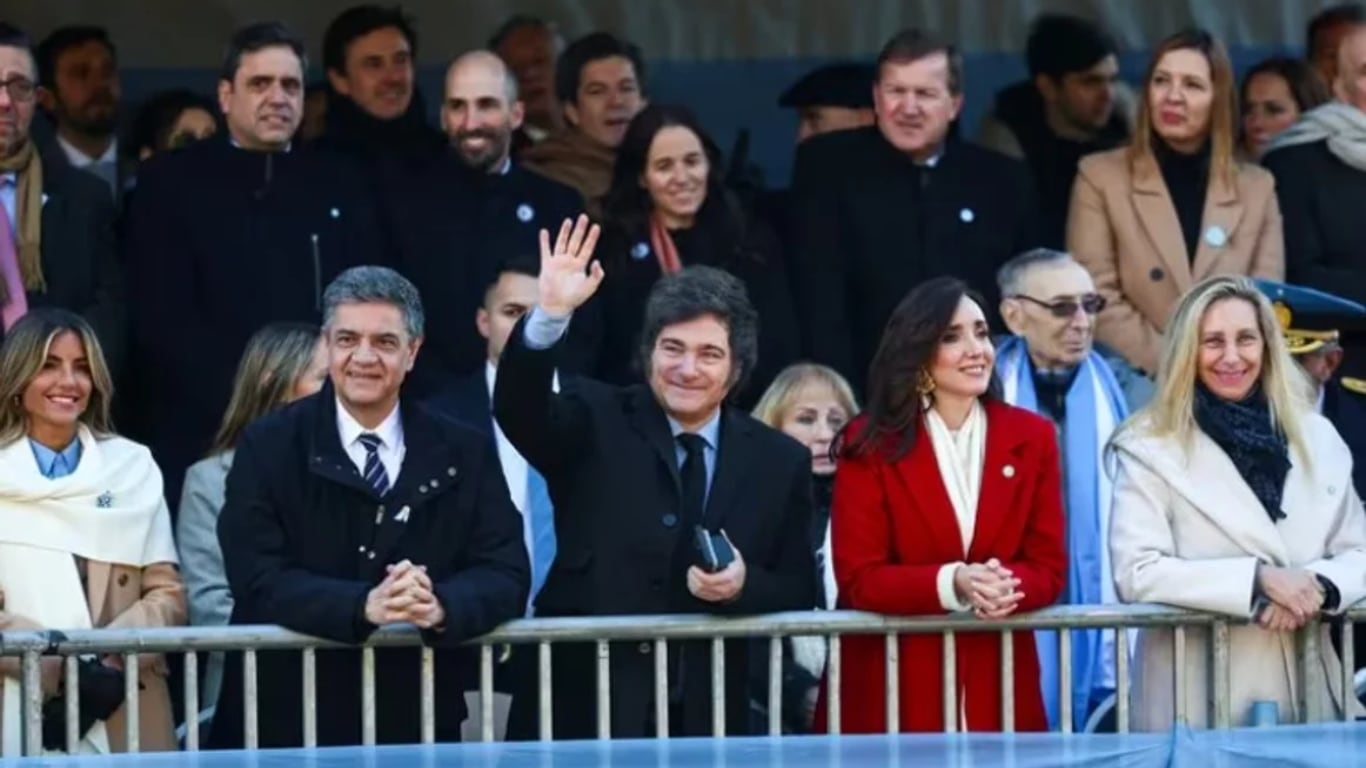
{"type": "Point", "coordinates": [919, 473]}
{"type": "Point", "coordinates": [1002, 478]}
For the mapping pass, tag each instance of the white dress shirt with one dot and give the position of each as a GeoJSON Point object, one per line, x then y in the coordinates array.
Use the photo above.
{"type": "Point", "coordinates": [79, 159]}
{"type": "Point", "coordinates": [514, 464]}
{"type": "Point", "coordinates": [390, 432]}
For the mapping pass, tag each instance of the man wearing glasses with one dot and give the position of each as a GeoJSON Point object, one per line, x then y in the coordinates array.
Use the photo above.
{"type": "Point", "coordinates": [1050, 365]}
{"type": "Point", "coordinates": [56, 224]}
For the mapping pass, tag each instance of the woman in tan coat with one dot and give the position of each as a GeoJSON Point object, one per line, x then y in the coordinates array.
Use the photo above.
{"type": "Point", "coordinates": [1152, 219]}
{"type": "Point", "coordinates": [1232, 495]}
{"type": "Point", "coordinates": [85, 536]}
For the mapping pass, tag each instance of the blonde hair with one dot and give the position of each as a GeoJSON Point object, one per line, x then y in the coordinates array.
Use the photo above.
{"type": "Point", "coordinates": [1223, 107]}
{"type": "Point", "coordinates": [22, 356]}
{"type": "Point", "coordinates": [275, 358]}
{"type": "Point", "coordinates": [777, 399]}
{"type": "Point", "coordinates": [1171, 412]}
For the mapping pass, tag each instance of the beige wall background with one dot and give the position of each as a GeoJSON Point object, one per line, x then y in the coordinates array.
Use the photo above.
{"type": "Point", "coordinates": [190, 33]}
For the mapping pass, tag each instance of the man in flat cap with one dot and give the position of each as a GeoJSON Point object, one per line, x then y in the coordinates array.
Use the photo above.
{"type": "Point", "coordinates": [835, 97]}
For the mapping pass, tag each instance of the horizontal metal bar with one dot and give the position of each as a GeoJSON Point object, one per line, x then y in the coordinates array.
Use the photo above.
{"type": "Point", "coordinates": [626, 628]}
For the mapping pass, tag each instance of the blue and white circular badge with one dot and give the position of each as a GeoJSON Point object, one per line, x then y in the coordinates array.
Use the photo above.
{"type": "Point", "coordinates": [1216, 236]}
{"type": "Point", "coordinates": [640, 251]}
{"type": "Point", "coordinates": [525, 213]}
{"type": "Point", "coordinates": [966, 215]}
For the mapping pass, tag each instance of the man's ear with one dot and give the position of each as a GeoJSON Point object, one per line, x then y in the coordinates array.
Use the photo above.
{"type": "Point", "coordinates": [47, 100]}
{"type": "Point", "coordinates": [1012, 312]}
{"type": "Point", "coordinates": [1333, 360]}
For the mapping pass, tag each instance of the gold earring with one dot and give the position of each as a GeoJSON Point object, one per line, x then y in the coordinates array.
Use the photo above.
{"type": "Point", "coordinates": [924, 383]}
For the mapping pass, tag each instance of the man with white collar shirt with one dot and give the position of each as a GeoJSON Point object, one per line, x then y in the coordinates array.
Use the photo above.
{"type": "Point", "coordinates": [640, 475]}
{"type": "Point", "coordinates": [78, 69]}
{"type": "Point", "coordinates": [231, 234]}
{"type": "Point", "coordinates": [357, 508]}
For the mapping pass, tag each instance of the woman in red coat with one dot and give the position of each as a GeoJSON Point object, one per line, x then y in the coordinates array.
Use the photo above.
{"type": "Point", "coordinates": [947, 499]}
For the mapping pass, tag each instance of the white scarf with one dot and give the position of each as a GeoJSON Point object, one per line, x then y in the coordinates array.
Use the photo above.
{"type": "Point", "coordinates": [1342, 126]}
{"type": "Point", "coordinates": [960, 457]}
{"type": "Point", "coordinates": [111, 509]}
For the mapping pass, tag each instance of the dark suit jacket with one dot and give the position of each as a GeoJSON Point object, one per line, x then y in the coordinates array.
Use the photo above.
{"type": "Point", "coordinates": [80, 261]}
{"type": "Point", "coordinates": [453, 229]}
{"type": "Point", "coordinates": [1321, 200]}
{"type": "Point", "coordinates": [872, 226]}
{"type": "Point", "coordinates": [609, 460]}
{"type": "Point", "coordinates": [302, 548]}
{"type": "Point", "coordinates": [220, 242]}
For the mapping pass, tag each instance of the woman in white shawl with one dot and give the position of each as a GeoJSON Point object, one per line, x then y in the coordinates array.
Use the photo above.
{"type": "Point", "coordinates": [1233, 496]}
{"type": "Point", "coordinates": [85, 535]}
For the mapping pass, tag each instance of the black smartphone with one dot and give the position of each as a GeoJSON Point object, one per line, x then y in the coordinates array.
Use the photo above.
{"type": "Point", "coordinates": [714, 552]}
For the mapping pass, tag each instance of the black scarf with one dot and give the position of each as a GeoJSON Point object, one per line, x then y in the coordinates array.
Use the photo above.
{"type": "Point", "coordinates": [1243, 429]}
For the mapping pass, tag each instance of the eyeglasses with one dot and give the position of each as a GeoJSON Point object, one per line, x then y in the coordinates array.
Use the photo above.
{"type": "Point", "coordinates": [1093, 303]}
{"type": "Point", "coordinates": [20, 88]}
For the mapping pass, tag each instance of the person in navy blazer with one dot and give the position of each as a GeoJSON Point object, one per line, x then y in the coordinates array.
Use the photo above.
{"type": "Point", "coordinates": [634, 471]}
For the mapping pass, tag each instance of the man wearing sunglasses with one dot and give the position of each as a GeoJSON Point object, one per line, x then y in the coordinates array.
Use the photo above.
{"type": "Point", "coordinates": [1050, 365]}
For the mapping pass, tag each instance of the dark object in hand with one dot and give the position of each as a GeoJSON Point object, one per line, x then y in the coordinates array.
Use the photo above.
{"type": "Point", "coordinates": [101, 690]}
{"type": "Point", "coordinates": [713, 550]}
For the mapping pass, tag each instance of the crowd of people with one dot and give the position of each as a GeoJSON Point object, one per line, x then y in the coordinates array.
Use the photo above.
{"type": "Point", "coordinates": [550, 359]}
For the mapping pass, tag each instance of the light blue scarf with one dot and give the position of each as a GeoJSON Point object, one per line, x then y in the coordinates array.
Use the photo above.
{"type": "Point", "coordinates": [1094, 407]}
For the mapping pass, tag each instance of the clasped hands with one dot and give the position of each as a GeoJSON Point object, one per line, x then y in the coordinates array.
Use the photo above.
{"type": "Point", "coordinates": [1295, 596]}
{"type": "Point", "coordinates": [405, 595]}
{"type": "Point", "coordinates": [989, 588]}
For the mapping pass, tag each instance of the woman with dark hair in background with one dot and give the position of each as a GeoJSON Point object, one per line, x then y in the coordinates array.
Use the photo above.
{"type": "Point", "coordinates": [1274, 95]}
{"type": "Point", "coordinates": [283, 362]}
{"type": "Point", "coordinates": [669, 208]}
{"type": "Point", "coordinates": [946, 500]}
{"type": "Point", "coordinates": [170, 120]}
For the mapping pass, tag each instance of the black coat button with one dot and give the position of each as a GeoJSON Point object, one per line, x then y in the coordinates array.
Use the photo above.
{"type": "Point", "coordinates": [1157, 274]}
{"type": "Point", "coordinates": [670, 520]}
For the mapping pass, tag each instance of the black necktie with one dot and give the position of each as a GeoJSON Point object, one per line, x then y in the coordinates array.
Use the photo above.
{"type": "Point", "coordinates": [694, 476]}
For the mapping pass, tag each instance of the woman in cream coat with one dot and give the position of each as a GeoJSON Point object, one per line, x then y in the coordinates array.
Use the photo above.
{"type": "Point", "coordinates": [1150, 220]}
{"type": "Point", "coordinates": [1233, 496]}
{"type": "Point", "coordinates": [85, 535]}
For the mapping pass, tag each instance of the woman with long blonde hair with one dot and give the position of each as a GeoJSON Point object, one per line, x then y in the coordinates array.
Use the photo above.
{"type": "Point", "coordinates": [282, 363]}
{"type": "Point", "coordinates": [1233, 496]}
{"type": "Point", "coordinates": [1150, 220]}
{"type": "Point", "coordinates": [85, 535]}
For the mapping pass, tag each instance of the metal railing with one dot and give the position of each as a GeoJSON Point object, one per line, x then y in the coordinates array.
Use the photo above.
{"type": "Point", "coordinates": [31, 646]}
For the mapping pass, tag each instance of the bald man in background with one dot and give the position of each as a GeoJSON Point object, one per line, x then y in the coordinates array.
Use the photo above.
{"type": "Point", "coordinates": [476, 208]}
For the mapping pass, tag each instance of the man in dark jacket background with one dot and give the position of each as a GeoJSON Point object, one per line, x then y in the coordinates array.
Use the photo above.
{"type": "Point", "coordinates": [1066, 110]}
{"type": "Point", "coordinates": [354, 509]}
{"type": "Point", "coordinates": [231, 234]}
{"type": "Point", "coordinates": [882, 209]}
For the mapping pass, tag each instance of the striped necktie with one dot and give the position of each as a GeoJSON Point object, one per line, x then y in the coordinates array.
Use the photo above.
{"type": "Point", "coordinates": [375, 475]}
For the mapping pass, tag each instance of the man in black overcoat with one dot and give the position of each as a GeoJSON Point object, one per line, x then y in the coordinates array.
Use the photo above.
{"type": "Point", "coordinates": [354, 509]}
{"type": "Point", "coordinates": [879, 210]}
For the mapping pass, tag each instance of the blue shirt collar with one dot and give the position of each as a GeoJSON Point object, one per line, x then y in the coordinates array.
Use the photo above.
{"type": "Point", "coordinates": [711, 431]}
{"type": "Point", "coordinates": [56, 464]}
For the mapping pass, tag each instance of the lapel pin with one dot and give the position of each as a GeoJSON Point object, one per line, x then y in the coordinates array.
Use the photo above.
{"type": "Point", "coordinates": [1008, 470]}
{"type": "Point", "coordinates": [525, 212]}
{"type": "Point", "coordinates": [640, 251]}
{"type": "Point", "coordinates": [403, 514]}
{"type": "Point", "coordinates": [966, 215]}
{"type": "Point", "coordinates": [1216, 236]}
{"type": "Point", "coordinates": [105, 500]}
